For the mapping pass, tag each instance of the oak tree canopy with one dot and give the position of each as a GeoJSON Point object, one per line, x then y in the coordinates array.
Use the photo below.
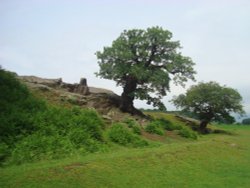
{"type": "Point", "coordinates": [144, 62]}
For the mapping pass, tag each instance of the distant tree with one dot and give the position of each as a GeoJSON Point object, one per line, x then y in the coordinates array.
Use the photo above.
{"type": "Point", "coordinates": [144, 62]}
{"type": "Point", "coordinates": [246, 121]}
{"type": "Point", "coordinates": [210, 102]}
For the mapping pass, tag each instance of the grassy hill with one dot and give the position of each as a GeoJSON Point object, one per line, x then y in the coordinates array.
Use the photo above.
{"type": "Point", "coordinates": [36, 124]}
{"type": "Point", "coordinates": [49, 142]}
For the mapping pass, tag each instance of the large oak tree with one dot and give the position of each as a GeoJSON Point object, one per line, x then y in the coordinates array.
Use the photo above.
{"type": "Point", "coordinates": [144, 62]}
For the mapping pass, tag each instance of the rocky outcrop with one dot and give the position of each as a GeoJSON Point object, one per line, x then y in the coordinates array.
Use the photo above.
{"type": "Point", "coordinates": [81, 88]}
{"type": "Point", "coordinates": [106, 102]}
{"type": "Point", "coordinates": [102, 100]}
{"type": "Point", "coordinates": [46, 84]}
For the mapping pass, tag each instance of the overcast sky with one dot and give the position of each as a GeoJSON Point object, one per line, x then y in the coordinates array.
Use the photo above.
{"type": "Point", "coordinates": [53, 39]}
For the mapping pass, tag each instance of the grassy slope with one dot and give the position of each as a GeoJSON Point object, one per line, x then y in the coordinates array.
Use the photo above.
{"type": "Point", "coordinates": [212, 161]}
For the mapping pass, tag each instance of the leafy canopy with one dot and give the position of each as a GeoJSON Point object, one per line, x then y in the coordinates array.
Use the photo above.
{"type": "Point", "coordinates": [210, 101]}
{"type": "Point", "coordinates": [149, 58]}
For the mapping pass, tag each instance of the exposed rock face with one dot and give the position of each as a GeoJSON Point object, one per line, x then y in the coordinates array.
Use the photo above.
{"type": "Point", "coordinates": [102, 100]}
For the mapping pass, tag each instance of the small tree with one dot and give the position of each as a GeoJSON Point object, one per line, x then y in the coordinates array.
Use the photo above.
{"type": "Point", "coordinates": [210, 101]}
{"type": "Point", "coordinates": [142, 62]}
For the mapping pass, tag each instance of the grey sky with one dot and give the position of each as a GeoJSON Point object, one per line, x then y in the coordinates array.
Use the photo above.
{"type": "Point", "coordinates": [59, 38]}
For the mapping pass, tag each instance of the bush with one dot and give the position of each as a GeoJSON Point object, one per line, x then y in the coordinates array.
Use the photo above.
{"type": "Point", "coordinates": [133, 125]}
{"type": "Point", "coordinates": [121, 135]}
{"type": "Point", "coordinates": [17, 107]}
{"type": "Point", "coordinates": [4, 152]}
{"type": "Point", "coordinates": [187, 133]}
{"type": "Point", "coordinates": [155, 128]}
{"type": "Point", "coordinates": [136, 129]}
{"type": "Point", "coordinates": [130, 122]}
{"type": "Point", "coordinates": [61, 132]}
{"type": "Point", "coordinates": [167, 125]}
{"type": "Point", "coordinates": [39, 146]}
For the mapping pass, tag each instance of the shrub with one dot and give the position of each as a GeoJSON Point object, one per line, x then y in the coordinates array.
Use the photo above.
{"type": "Point", "coordinates": [17, 107]}
{"type": "Point", "coordinates": [37, 147]}
{"type": "Point", "coordinates": [4, 152]}
{"type": "Point", "coordinates": [136, 129]}
{"type": "Point", "coordinates": [133, 125]}
{"type": "Point", "coordinates": [121, 135]}
{"type": "Point", "coordinates": [167, 125]}
{"type": "Point", "coordinates": [155, 128]}
{"type": "Point", "coordinates": [130, 122]}
{"type": "Point", "coordinates": [187, 133]}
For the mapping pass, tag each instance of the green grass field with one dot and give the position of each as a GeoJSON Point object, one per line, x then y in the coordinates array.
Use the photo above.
{"type": "Point", "coordinates": [216, 160]}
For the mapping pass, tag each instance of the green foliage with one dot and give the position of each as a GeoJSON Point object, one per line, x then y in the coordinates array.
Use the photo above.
{"type": "Point", "coordinates": [32, 130]}
{"type": "Point", "coordinates": [246, 121]}
{"type": "Point", "coordinates": [157, 125]}
{"type": "Point", "coordinates": [167, 125]}
{"type": "Point", "coordinates": [4, 152]}
{"type": "Point", "coordinates": [39, 146]}
{"type": "Point", "coordinates": [17, 108]}
{"type": "Point", "coordinates": [210, 101]}
{"type": "Point", "coordinates": [60, 133]}
{"type": "Point", "coordinates": [130, 122]}
{"type": "Point", "coordinates": [133, 125]}
{"type": "Point", "coordinates": [118, 133]}
{"type": "Point", "coordinates": [187, 133]}
{"type": "Point", "coordinates": [155, 128]}
{"type": "Point", "coordinates": [136, 129]}
{"type": "Point", "coordinates": [147, 58]}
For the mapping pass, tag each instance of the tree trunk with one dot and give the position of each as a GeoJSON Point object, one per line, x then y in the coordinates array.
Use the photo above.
{"type": "Point", "coordinates": [203, 126]}
{"type": "Point", "coordinates": [127, 104]}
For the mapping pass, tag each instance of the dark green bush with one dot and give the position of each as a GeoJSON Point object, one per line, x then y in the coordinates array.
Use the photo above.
{"type": "Point", "coordinates": [167, 125]}
{"type": "Point", "coordinates": [130, 122]}
{"type": "Point", "coordinates": [121, 135]}
{"type": "Point", "coordinates": [133, 125]}
{"type": "Point", "coordinates": [187, 133]}
{"type": "Point", "coordinates": [17, 107]}
{"type": "Point", "coordinates": [154, 127]}
{"type": "Point", "coordinates": [39, 146]}
{"type": "Point", "coordinates": [61, 132]}
{"type": "Point", "coordinates": [136, 129]}
{"type": "Point", "coordinates": [4, 152]}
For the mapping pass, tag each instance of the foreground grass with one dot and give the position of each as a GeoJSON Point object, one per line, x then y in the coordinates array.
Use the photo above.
{"type": "Point", "coordinates": [213, 161]}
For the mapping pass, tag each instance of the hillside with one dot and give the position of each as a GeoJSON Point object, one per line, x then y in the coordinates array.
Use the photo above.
{"type": "Point", "coordinates": [54, 134]}
{"type": "Point", "coordinates": [44, 119]}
